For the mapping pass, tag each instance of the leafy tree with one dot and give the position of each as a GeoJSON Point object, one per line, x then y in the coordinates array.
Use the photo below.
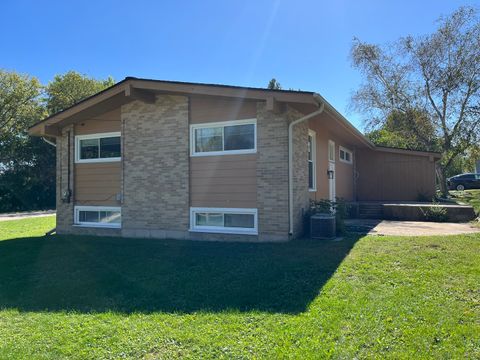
{"type": "Point", "coordinates": [437, 75]}
{"type": "Point", "coordinates": [411, 131]}
{"type": "Point", "coordinates": [274, 85]}
{"type": "Point", "coordinates": [67, 89]}
{"type": "Point", "coordinates": [27, 174]}
{"type": "Point", "coordinates": [27, 164]}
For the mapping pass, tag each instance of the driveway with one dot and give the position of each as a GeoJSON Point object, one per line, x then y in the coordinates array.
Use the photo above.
{"type": "Point", "coordinates": [408, 228]}
{"type": "Point", "coordinates": [25, 215]}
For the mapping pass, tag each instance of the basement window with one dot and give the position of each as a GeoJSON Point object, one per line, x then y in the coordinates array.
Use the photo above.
{"type": "Point", "coordinates": [345, 155]}
{"type": "Point", "coordinates": [223, 138]}
{"type": "Point", "coordinates": [224, 220]}
{"type": "Point", "coordinates": [103, 147]}
{"type": "Point", "coordinates": [98, 216]}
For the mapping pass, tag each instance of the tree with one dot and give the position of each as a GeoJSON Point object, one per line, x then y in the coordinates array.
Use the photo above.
{"type": "Point", "coordinates": [68, 89]}
{"type": "Point", "coordinates": [397, 132]}
{"type": "Point", "coordinates": [27, 164]}
{"type": "Point", "coordinates": [27, 176]}
{"type": "Point", "coordinates": [436, 75]}
{"type": "Point", "coordinates": [274, 85]}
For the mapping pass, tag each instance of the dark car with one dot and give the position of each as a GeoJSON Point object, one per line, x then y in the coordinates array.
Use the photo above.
{"type": "Point", "coordinates": [464, 181]}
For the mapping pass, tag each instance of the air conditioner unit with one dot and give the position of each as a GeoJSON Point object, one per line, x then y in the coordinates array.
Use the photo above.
{"type": "Point", "coordinates": [322, 226]}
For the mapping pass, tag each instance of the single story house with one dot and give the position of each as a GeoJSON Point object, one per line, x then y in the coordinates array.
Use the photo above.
{"type": "Point", "coordinates": [165, 159]}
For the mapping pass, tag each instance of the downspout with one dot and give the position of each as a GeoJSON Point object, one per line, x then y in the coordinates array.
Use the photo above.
{"type": "Point", "coordinates": [321, 104]}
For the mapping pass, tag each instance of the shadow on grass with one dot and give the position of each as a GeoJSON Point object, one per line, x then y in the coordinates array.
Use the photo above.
{"type": "Point", "coordinates": [87, 274]}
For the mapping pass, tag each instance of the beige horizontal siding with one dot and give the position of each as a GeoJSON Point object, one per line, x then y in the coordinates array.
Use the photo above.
{"type": "Point", "coordinates": [208, 109]}
{"type": "Point", "coordinates": [344, 185]}
{"type": "Point", "coordinates": [108, 122]}
{"type": "Point", "coordinates": [389, 176]}
{"type": "Point", "coordinates": [97, 183]}
{"type": "Point", "coordinates": [223, 181]}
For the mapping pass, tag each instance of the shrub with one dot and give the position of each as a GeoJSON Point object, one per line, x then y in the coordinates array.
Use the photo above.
{"type": "Point", "coordinates": [435, 213]}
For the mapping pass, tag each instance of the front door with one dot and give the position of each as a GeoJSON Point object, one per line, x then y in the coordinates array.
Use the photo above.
{"type": "Point", "coordinates": [331, 170]}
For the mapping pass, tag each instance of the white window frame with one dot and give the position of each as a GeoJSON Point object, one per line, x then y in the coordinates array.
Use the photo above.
{"type": "Point", "coordinates": [94, 136]}
{"type": "Point", "coordinates": [331, 143]}
{"type": "Point", "coordinates": [77, 222]}
{"type": "Point", "coordinates": [222, 229]}
{"type": "Point", "coordinates": [345, 150]}
{"type": "Point", "coordinates": [313, 135]}
{"type": "Point", "coordinates": [222, 124]}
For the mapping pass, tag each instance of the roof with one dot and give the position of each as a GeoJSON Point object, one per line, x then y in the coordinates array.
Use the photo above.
{"type": "Point", "coordinates": [132, 88]}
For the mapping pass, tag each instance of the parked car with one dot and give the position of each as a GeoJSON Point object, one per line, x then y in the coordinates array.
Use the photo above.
{"type": "Point", "coordinates": [464, 181]}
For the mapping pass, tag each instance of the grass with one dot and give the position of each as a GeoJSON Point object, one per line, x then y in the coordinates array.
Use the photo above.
{"type": "Point", "coordinates": [369, 297]}
{"type": "Point", "coordinates": [468, 197]}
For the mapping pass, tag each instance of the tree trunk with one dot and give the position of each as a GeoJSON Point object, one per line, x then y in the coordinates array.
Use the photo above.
{"type": "Point", "coordinates": [442, 180]}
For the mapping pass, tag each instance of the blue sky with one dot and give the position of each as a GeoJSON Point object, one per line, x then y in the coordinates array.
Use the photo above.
{"type": "Point", "coordinates": [304, 44]}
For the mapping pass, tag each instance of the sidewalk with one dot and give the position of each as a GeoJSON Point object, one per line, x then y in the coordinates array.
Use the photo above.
{"type": "Point", "coordinates": [25, 215]}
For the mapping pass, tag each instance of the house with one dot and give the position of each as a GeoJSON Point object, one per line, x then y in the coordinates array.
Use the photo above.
{"type": "Point", "coordinates": [164, 159]}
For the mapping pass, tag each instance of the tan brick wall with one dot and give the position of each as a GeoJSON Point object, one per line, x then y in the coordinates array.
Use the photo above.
{"type": "Point", "coordinates": [156, 168]}
{"type": "Point", "coordinates": [272, 174]}
{"type": "Point", "coordinates": [64, 182]}
{"type": "Point", "coordinates": [300, 174]}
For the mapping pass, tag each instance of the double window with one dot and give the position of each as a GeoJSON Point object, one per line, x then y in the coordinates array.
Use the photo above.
{"type": "Point", "coordinates": [312, 149]}
{"type": "Point", "coordinates": [221, 138]}
{"type": "Point", "coordinates": [345, 155]}
{"type": "Point", "coordinates": [224, 220]}
{"type": "Point", "coordinates": [103, 147]}
{"type": "Point", "coordinates": [98, 216]}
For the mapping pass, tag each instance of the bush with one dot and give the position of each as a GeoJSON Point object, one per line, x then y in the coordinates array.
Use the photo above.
{"type": "Point", "coordinates": [435, 213]}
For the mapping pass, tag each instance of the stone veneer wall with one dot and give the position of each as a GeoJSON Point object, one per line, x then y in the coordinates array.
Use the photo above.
{"type": "Point", "coordinates": [156, 167]}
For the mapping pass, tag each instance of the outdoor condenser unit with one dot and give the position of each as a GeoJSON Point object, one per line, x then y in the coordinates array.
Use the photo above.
{"type": "Point", "coordinates": [322, 226]}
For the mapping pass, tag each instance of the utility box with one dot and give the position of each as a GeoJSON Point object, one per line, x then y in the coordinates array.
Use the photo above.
{"type": "Point", "coordinates": [322, 226]}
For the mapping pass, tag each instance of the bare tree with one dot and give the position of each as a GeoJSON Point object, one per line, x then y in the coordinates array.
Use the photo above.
{"type": "Point", "coordinates": [437, 75]}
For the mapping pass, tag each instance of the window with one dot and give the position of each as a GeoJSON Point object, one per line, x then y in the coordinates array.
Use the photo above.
{"type": "Point", "coordinates": [98, 216]}
{"type": "Point", "coordinates": [331, 151]}
{"type": "Point", "coordinates": [312, 176]}
{"type": "Point", "coordinates": [229, 137]}
{"type": "Point", "coordinates": [97, 148]}
{"type": "Point", "coordinates": [221, 220]}
{"type": "Point", "coordinates": [345, 155]}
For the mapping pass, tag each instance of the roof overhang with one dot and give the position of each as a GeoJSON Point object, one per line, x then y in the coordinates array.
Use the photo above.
{"type": "Point", "coordinates": [145, 90]}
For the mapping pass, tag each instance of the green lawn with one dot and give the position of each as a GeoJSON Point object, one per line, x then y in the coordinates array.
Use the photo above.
{"type": "Point", "coordinates": [468, 197]}
{"type": "Point", "coordinates": [368, 297]}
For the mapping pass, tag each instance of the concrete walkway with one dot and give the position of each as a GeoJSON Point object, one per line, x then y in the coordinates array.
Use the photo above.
{"type": "Point", "coordinates": [408, 228]}
{"type": "Point", "coordinates": [25, 215]}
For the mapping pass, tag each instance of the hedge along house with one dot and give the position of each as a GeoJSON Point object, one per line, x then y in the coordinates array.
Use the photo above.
{"type": "Point", "coordinates": [163, 159]}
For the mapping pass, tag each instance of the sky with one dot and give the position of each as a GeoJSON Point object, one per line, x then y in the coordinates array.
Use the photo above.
{"type": "Point", "coordinates": [303, 44]}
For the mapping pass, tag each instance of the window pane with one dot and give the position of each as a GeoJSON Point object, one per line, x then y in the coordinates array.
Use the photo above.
{"type": "Point", "coordinates": [110, 217]}
{"type": "Point", "coordinates": [310, 175]}
{"type": "Point", "coordinates": [110, 147]}
{"type": "Point", "coordinates": [331, 151]}
{"type": "Point", "coordinates": [88, 216]}
{"type": "Point", "coordinates": [209, 139]}
{"type": "Point", "coordinates": [240, 220]}
{"type": "Point", "coordinates": [342, 154]}
{"type": "Point", "coordinates": [347, 156]}
{"type": "Point", "coordinates": [239, 137]}
{"type": "Point", "coordinates": [209, 219]}
{"type": "Point", "coordinates": [309, 147]}
{"type": "Point", "coordinates": [89, 149]}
